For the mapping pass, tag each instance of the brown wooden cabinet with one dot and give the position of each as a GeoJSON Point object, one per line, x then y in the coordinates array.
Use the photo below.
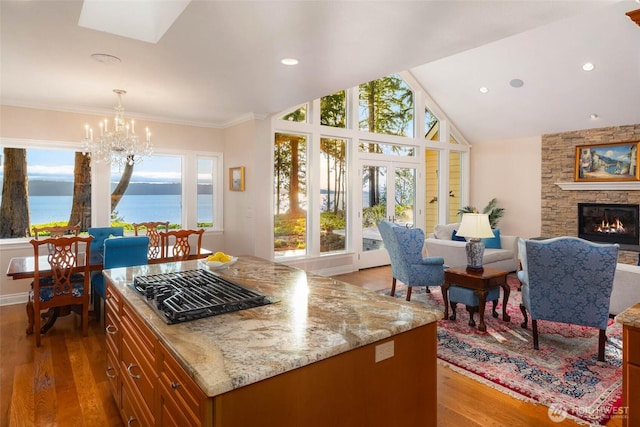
{"type": "Point", "coordinates": [631, 375]}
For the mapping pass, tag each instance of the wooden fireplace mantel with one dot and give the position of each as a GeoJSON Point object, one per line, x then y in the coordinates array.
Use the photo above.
{"type": "Point", "coordinates": [600, 186]}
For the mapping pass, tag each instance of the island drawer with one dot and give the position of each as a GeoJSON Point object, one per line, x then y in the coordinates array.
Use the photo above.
{"type": "Point", "coordinates": [137, 363]}
{"type": "Point", "coordinates": [112, 300]}
{"type": "Point", "coordinates": [134, 410]}
{"type": "Point", "coordinates": [180, 390]}
{"type": "Point", "coordinates": [113, 374]}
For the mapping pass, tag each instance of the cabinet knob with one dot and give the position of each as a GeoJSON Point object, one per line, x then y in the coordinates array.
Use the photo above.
{"type": "Point", "coordinates": [109, 375]}
{"type": "Point", "coordinates": [174, 385]}
{"type": "Point", "coordinates": [129, 368]}
{"type": "Point", "coordinates": [111, 329]}
{"type": "Point", "coordinates": [130, 421]}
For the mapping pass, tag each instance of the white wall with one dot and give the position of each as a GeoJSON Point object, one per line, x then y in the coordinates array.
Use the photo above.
{"type": "Point", "coordinates": [240, 206]}
{"type": "Point", "coordinates": [510, 172]}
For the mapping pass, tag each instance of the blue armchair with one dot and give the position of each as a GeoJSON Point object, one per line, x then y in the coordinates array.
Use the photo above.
{"type": "Point", "coordinates": [119, 252]}
{"type": "Point", "coordinates": [567, 280]}
{"type": "Point", "coordinates": [404, 246]}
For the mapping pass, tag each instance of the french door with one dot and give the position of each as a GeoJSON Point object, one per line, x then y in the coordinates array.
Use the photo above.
{"type": "Point", "coordinates": [389, 194]}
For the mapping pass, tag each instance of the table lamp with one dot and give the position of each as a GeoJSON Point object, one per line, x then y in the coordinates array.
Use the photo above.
{"type": "Point", "coordinates": [475, 226]}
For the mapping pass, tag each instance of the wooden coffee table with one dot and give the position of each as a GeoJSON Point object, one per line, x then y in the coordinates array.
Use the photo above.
{"type": "Point", "coordinates": [480, 283]}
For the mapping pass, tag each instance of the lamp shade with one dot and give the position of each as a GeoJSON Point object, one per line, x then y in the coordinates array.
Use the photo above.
{"type": "Point", "coordinates": [475, 226]}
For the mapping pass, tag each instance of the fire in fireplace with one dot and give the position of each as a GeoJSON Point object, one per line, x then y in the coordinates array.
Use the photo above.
{"type": "Point", "coordinates": [609, 223]}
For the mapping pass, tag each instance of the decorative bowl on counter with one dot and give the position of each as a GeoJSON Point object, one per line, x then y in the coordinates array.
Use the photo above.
{"type": "Point", "coordinates": [217, 264]}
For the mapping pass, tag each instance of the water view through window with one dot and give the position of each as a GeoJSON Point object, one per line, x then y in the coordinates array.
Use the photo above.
{"type": "Point", "coordinates": [154, 192]}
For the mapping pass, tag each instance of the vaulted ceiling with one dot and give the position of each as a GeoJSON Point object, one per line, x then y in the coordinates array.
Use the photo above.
{"type": "Point", "coordinates": [216, 63]}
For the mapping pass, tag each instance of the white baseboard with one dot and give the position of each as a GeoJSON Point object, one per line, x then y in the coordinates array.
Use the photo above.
{"type": "Point", "coordinates": [11, 299]}
{"type": "Point", "coordinates": [334, 271]}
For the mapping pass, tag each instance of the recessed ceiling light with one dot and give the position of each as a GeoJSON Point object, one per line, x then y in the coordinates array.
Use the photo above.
{"type": "Point", "coordinates": [105, 58]}
{"type": "Point", "coordinates": [588, 66]}
{"type": "Point", "coordinates": [484, 89]}
{"type": "Point", "coordinates": [290, 61]}
{"type": "Point", "coordinates": [593, 116]}
{"type": "Point", "coordinates": [516, 83]}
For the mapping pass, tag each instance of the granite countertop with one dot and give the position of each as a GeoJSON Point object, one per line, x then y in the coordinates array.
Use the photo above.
{"type": "Point", "coordinates": [316, 318]}
{"type": "Point", "coordinates": [630, 317]}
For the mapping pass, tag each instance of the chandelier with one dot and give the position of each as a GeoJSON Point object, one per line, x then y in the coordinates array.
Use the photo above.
{"type": "Point", "coordinates": [119, 144]}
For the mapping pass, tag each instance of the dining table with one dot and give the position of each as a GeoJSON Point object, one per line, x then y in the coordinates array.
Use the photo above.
{"type": "Point", "coordinates": [23, 267]}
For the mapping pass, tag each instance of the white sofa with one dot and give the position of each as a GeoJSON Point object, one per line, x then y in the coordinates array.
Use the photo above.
{"type": "Point", "coordinates": [454, 253]}
{"type": "Point", "coordinates": [626, 288]}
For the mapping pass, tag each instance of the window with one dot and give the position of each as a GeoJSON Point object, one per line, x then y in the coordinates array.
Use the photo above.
{"type": "Point", "coordinates": [290, 193]}
{"type": "Point", "coordinates": [49, 178]}
{"type": "Point", "coordinates": [333, 110]}
{"type": "Point", "coordinates": [333, 189]}
{"type": "Point", "coordinates": [298, 115]}
{"type": "Point", "coordinates": [390, 149]}
{"type": "Point", "coordinates": [207, 173]}
{"type": "Point", "coordinates": [154, 192]}
{"type": "Point", "coordinates": [348, 152]}
{"type": "Point", "coordinates": [431, 126]}
{"type": "Point", "coordinates": [386, 106]}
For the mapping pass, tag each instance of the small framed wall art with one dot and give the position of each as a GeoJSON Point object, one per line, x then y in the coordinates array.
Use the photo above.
{"type": "Point", "coordinates": [607, 162]}
{"type": "Point", "coordinates": [236, 178]}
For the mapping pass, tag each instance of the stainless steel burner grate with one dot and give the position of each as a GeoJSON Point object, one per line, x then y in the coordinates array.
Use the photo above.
{"type": "Point", "coordinates": [194, 294]}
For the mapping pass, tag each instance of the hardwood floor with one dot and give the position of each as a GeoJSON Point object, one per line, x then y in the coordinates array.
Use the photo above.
{"type": "Point", "coordinates": [64, 383]}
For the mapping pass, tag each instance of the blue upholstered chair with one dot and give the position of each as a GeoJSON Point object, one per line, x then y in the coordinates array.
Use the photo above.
{"type": "Point", "coordinates": [119, 252]}
{"type": "Point", "coordinates": [407, 264]}
{"type": "Point", "coordinates": [567, 280]}
{"type": "Point", "coordinates": [100, 234]}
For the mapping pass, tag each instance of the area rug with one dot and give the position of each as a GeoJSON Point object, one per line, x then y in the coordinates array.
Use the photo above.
{"type": "Point", "coordinates": [563, 374]}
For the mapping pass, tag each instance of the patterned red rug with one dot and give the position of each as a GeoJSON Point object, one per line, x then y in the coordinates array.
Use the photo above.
{"type": "Point", "coordinates": [563, 374]}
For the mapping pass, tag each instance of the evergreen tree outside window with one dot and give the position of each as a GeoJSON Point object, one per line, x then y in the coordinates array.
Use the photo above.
{"type": "Point", "coordinates": [298, 115]}
{"type": "Point", "coordinates": [386, 106]}
{"type": "Point", "coordinates": [333, 110]}
{"type": "Point", "coordinates": [333, 189]}
{"type": "Point", "coordinates": [290, 194]}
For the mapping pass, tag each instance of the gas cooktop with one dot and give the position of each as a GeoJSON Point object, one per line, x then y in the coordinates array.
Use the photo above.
{"type": "Point", "coordinates": [193, 294]}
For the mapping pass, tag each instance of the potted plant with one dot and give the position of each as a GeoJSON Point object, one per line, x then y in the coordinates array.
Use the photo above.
{"type": "Point", "coordinates": [495, 213]}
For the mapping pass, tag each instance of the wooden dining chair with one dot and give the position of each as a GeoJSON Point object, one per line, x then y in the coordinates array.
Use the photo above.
{"type": "Point", "coordinates": [180, 249]}
{"type": "Point", "coordinates": [67, 287]}
{"type": "Point", "coordinates": [48, 232]}
{"type": "Point", "coordinates": [152, 229]}
{"type": "Point", "coordinates": [56, 231]}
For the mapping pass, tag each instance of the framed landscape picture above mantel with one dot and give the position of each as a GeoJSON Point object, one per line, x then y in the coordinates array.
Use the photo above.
{"type": "Point", "coordinates": [607, 162]}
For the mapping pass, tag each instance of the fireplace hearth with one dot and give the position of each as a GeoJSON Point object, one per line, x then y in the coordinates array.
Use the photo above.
{"type": "Point", "coordinates": [609, 223]}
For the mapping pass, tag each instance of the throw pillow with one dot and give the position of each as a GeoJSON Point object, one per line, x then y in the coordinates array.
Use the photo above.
{"type": "Point", "coordinates": [493, 242]}
{"type": "Point", "coordinates": [457, 238]}
{"type": "Point", "coordinates": [445, 231]}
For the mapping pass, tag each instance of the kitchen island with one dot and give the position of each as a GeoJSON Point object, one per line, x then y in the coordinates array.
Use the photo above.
{"type": "Point", "coordinates": [327, 353]}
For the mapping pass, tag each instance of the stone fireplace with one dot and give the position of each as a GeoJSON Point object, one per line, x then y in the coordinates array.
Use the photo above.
{"type": "Point", "coordinates": [560, 207]}
{"type": "Point", "coordinates": [608, 223]}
